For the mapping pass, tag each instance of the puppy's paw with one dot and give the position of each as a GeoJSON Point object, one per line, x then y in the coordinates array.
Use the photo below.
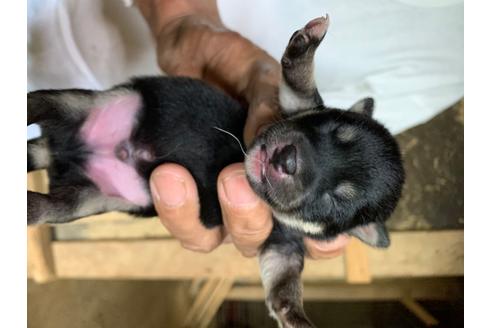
{"type": "Point", "coordinates": [287, 313]}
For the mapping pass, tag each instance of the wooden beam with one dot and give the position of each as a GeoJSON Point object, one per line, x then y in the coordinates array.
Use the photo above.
{"type": "Point", "coordinates": [111, 225]}
{"type": "Point", "coordinates": [420, 312]}
{"type": "Point", "coordinates": [381, 290]}
{"type": "Point", "coordinates": [208, 301]}
{"type": "Point", "coordinates": [357, 263]}
{"type": "Point", "coordinates": [37, 181]}
{"type": "Point", "coordinates": [40, 263]}
{"type": "Point", "coordinates": [412, 254]}
{"type": "Point", "coordinates": [196, 285]}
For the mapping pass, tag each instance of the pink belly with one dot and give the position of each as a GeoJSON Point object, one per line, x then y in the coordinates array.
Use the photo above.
{"type": "Point", "coordinates": [106, 127]}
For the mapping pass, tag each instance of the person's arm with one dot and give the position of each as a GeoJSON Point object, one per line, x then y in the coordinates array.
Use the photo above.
{"type": "Point", "coordinates": [192, 41]}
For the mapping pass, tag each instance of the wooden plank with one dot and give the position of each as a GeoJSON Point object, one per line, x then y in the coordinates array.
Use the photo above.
{"type": "Point", "coordinates": [381, 290]}
{"type": "Point", "coordinates": [161, 259]}
{"type": "Point", "coordinates": [214, 302]}
{"type": "Point", "coordinates": [196, 285]}
{"type": "Point", "coordinates": [420, 254]}
{"type": "Point", "coordinates": [208, 301]}
{"type": "Point", "coordinates": [412, 254]}
{"type": "Point", "coordinates": [357, 263]}
{"type": "Point", "coordinates": [40, 264]}
{"type": "Point", "coordinates": [200, 300]}
{"type": "Point", "coordinates": [420, 312]}
{"type": "Point", "coordinates": [37, 181]}
{"type": "Point", "coordinates": [111, 225]}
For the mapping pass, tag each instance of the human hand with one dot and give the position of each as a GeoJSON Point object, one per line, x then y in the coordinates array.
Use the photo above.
{"type": "Point", "coordinates": [192, 41]}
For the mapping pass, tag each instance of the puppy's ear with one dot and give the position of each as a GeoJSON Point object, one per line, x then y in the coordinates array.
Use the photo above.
{"type": "Point", "coordinates": [364, 106]}
{"type": "Point", "coordinates": [374, 234]}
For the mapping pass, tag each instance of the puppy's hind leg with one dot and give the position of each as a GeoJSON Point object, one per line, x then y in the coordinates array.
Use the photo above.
{"type": "Point", "coordinates": [58, 105]}
{"type": "Point", "coordinates": [68, 203]}
{"type": "Point", "coordinates": [281, 264]}
{"type": "Point", "coordinates": [38, 154]}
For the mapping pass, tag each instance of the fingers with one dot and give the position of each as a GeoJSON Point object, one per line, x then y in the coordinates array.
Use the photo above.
{"type": "Point", "coordinates": [317, 249]}
{"type": "Point", "coordinates": [259, 117]}
{"type": "Point", "coordinates": [176, 202]}
{"type": "Point", "coordinates": [246, 217]}
{"type": "Point", "coordinates": [262, 96]}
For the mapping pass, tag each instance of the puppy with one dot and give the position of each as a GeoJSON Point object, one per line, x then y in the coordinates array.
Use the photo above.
{"type": "Point", "coordinates": [323, 171]}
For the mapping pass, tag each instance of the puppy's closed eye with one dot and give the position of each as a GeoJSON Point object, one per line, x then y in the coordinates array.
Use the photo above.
{"type": "Point", "coordinates": [346, 190]}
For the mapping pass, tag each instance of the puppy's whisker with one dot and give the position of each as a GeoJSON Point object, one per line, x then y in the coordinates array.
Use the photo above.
{"type": "Point", "coordinates": [266, 177]}
{"type": "Point", "coordinates": [239, 142]}
{"type": "Point", "coordinates": [235, 138]}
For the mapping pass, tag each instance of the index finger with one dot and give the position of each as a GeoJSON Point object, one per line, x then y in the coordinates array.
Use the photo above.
{"type": "Point", "coordinates": [262, 96]}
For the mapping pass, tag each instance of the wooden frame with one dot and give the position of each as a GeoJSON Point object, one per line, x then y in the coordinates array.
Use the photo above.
{"type": "Point", "coordinates": [412, 254]}
{"type": "Point", "coordinates": [110, 246]}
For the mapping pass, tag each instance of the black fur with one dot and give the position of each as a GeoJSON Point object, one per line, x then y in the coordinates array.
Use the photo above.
{"type": "Point", "coordinates": [180, 127]}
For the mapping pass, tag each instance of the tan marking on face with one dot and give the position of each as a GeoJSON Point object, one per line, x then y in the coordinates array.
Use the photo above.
{"type": "Point", "coordinates": [346, 190]}
{"type": "Point", "coordinates": [346, 133]}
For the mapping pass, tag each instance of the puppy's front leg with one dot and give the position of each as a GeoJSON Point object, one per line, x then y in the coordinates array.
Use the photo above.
{"type": "Point", "coordinates": [297, 90]}
{"type": "Point", "coordinates": [281, 264]}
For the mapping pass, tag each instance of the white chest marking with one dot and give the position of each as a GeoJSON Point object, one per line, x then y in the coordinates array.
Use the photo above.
{"type": "Point", "coordinates": [299, 224]}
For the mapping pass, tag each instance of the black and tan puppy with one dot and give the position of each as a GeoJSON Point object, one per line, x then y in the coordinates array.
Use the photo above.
{"type": "Point", "coordinates": [324, 171]}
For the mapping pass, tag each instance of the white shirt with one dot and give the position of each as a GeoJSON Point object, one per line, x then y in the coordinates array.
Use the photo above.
{"type": "Point", "coordinates": [406, 54]}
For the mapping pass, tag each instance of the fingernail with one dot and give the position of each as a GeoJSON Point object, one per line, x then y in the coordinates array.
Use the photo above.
{"type": "Point", "coordinates": [168, 189]}
{"type": "Point", "coordinates": [237, 190]}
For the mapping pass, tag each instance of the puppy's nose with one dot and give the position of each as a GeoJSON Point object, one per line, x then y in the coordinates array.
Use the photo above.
{"type": "Point", "coordinates": [285, 159]}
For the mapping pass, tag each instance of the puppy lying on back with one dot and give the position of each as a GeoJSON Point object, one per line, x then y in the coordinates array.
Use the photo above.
{"type": "Point", "coordinates": [322, 170]}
